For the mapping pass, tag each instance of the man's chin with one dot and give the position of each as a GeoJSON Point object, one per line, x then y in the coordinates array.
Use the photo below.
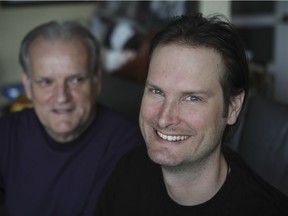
{"type": "Point", "coordinates": [162, 157]}
{"type": "Point", "coordinates": [62, 133]}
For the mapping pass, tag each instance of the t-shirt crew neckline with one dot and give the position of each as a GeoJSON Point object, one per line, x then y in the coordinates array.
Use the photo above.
{"type": "Point", "coordinates": [176, 209]}
{"type": "Point", "coordinates": [68, 146]}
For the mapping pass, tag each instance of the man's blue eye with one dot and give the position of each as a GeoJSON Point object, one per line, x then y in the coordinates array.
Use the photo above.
{"type": "Point", "coordinates": [77, 80]}
{"type": "Point", "coordinates": [156, 91]}
{"type": "Point", "coordinates": [193, 98]}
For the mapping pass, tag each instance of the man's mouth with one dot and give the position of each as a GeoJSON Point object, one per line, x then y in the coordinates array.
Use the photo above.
{"type": "Point", "coordinates": [172, 138]}
{"type": "Point", "coordinates": [62, 111]}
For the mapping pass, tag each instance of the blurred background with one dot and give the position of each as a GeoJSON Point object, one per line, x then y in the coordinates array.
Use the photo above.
{"type": "Point", "coordinates": [125, 29]}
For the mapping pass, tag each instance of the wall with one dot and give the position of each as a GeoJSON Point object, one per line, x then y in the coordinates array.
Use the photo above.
{"type": "Point", "coordinates": [210, 7]}
{"type": "Point", "coordinates": [280, 65]}
{"type": "Point", "coordinates": [16, 21]}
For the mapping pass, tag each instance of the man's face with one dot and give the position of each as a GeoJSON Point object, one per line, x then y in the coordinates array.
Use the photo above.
{"type": "Point", "coordinates": [62, 86]}
{"type": "Point", "coordinates": [182, 111]}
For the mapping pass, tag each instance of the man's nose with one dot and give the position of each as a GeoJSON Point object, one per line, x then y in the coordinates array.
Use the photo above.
{"type": "Point", "coordinates": [63, 93]}
{"type": "Point", "coordinates": [168, 114]}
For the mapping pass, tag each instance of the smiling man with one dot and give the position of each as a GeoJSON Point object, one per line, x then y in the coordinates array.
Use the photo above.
{"type": "Point", "coordinates": [56, 157]}
{"type": "Point", "coordinates": [62, 86]}
{"type": "Point", "coordinates": [196, 86]}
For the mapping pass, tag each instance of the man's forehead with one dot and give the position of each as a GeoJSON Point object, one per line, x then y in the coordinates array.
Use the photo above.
{"type": "Point", "coordinates": [188, 59]}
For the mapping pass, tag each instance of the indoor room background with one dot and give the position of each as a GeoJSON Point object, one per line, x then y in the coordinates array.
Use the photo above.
{"type": "Point", "coordinates": [263, 26]}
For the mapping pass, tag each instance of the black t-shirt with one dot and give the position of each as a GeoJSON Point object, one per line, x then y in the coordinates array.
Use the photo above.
{"type": "Point", "coordinates": [137, 188]}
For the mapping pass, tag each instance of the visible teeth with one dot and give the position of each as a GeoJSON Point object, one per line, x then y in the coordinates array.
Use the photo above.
{"type": "Point", "coordinates": [171, 138]}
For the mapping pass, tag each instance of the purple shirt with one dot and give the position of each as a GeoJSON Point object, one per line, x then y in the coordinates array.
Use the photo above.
{"type": "Point", "coordinates": [39, 176]}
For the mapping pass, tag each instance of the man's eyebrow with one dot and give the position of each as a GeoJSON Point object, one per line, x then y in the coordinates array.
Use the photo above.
{"type": "Point", "coordinates": [152, 86]}
{"type": "Point", "coordinates": [79, 73]}
{"type": "Point", "coordinates": [198, 92]}
{"type": "Point", "coordinates": [148, 84]}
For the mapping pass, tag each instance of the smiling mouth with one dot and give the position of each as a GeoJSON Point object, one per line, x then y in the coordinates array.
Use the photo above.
{"type": "Point", "coordinates": [172, 138]}
{"type": "Point", "coordinates": [62, 111]}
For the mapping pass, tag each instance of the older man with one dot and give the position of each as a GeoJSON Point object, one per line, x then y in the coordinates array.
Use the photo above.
{"type": "Point", "coordinates": [56, 157]}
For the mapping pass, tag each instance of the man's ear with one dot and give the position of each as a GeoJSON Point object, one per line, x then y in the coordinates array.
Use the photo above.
{"type": "Point", "coordinates": [235, 108]}
{"type": "Point", "coordinates": [27, 85]}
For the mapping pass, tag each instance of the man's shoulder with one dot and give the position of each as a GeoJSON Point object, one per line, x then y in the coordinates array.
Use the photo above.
{"type": "Point", "coordinates": [136, 175]}
{"type": "Point", "coordinates": [117, 126]}
{"type": "Point", "coordinates": [16, 126]}
{"type": "Point", "coordinates": [137, 161]}
{"type": "Point", "coordinates": [137, 156]}
{"type": "Point", "coordinates": [107, 115]}
{"type": "Point", "coordinates": [247, 183]}
{"type": "Point", "coordinates": [25, 115]}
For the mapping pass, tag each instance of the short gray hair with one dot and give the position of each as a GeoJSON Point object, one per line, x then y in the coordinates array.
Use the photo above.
{"type": "Point", "coordinates": [55, 30]}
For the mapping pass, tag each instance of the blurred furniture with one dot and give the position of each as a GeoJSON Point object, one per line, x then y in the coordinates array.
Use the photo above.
{"type": "Point", "coordinates": [121, 94]}
{"type": "Point", "coordinates": [262, 139]}
{"type": "Point", "coordinates": [261, 80]}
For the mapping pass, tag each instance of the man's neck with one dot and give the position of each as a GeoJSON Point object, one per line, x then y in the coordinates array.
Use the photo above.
{"type": "Point", "coordinates": [198, 184]}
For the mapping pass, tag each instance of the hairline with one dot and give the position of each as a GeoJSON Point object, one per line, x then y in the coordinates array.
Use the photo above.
{"type": "Point", "coordinates": [54, 31]}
